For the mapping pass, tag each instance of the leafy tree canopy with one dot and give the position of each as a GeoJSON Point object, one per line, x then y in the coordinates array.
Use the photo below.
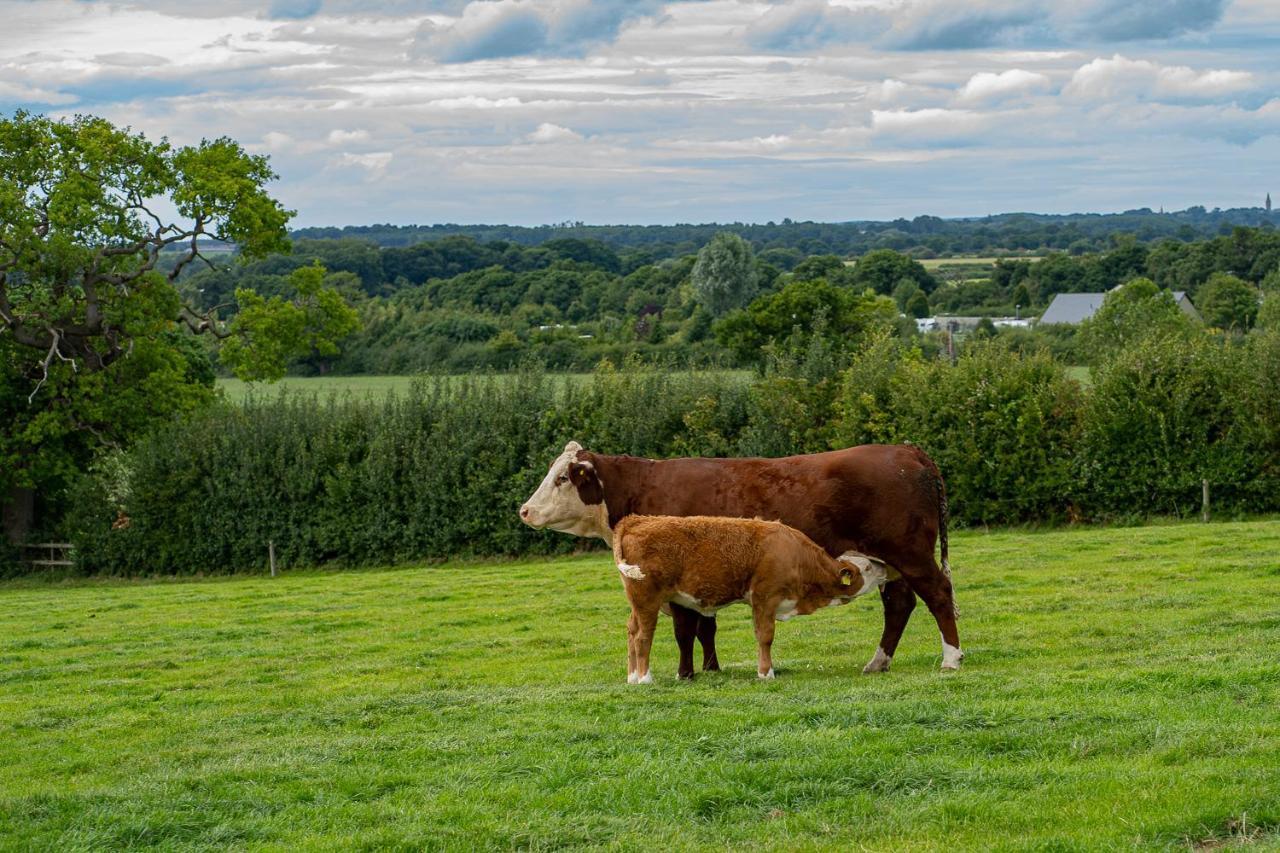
{"type": "Point", "coordinates": [1228, 303]}
{"type": "Point", "coordinates": [883, 269]}
{"type": "Point", "coordinates": [785, 319]}
{"type": "Point", "coordinates": [97, 225]}
{"type": "Point", "coordinates": [1136, 310]}
{"type": "Point", "coordinates": [724, 276]}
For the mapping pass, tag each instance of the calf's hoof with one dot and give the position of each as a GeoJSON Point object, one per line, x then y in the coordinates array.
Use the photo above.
{"type": "Point", "coordinates": [685, 675]}
{"type": "Point", "coordinates": [764, 676]}
{"type": "Point", "coordinates": [647, 678]}
{"type": "Point", "coordinates": [712, 665]}
{"type": "Point", "coordinates": [878, 663]}
{"type": "Point", "coordinates": [632, 678]}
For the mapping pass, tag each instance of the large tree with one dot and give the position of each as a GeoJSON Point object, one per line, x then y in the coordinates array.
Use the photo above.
{"type": "Point", "coordinates": [97, 225]}
{"type": "Point", "coordinates": [724, 276]}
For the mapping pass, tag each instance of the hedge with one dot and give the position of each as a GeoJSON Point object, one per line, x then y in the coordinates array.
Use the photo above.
{"type": "Point", "coordinates": [441, 470]}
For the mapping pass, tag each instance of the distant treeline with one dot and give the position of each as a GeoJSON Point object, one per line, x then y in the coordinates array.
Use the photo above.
{"type": "Point", "coordinates": [458, 304]}
{"type": "Point", "coordinates": [923, 236]}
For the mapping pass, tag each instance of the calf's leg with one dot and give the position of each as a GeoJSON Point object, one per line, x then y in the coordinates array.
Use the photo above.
{"type": "Point", "coordinates": [686, 626]}
{"type": "Point", "coordinates": [707, 637]}
{"type": "Point", "coordinates": [646, 619]}
{"type": "Point", "coordinates": [632, 623]}
{"type": "Point", "coordinates": [764, 623]}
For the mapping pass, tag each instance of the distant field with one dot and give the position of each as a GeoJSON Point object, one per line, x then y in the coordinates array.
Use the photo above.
{"type": "Point", "coordinates": [937, 263]}
{"type": "Point", "coordinates": [237, 391]}
{"type": "Point", "coordinates": [1119, 692]}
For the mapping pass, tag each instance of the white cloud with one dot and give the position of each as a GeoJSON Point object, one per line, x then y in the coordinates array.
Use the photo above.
{"type": "Point", "coordinates": [1120, 77]}
{"type": "Point", "coordinates": [338, 136]}
{"type": "Point", "coordinates": [548, 132]}
{"type": "Point", "coordinates": [376, 161]}
{"type": "Point", "coordinates": [986, 86]}
{"type": "Point", "coordinates": [929, 126]}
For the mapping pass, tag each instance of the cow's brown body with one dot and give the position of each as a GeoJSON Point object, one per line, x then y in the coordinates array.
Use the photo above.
{"type": "Point", "coordinates": [707, 563]}
{"type": "Point", "coordinates": [886, 501]}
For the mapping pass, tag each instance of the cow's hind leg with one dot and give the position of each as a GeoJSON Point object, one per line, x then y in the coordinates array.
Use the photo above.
{"type": "Point", "coordinates": [686, 627]}
{"type": "Point", "coordinates": [707, 637]}
{"type": "Point", "coordinates": [898, 601]}
{"type": "Point", "coordinates": [934, 586]}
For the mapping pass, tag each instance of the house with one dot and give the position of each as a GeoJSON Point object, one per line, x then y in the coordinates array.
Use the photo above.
{"type": "Point", "coordinates": [1073, 308]}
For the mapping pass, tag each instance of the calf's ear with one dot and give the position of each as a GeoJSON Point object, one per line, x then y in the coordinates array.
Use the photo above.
{"type": "Point", "coordinates": [583, 476]}
{"type": "Point", "coordinates": [572, 447]}
{"type": "Point", "coordinates": [846, 577]}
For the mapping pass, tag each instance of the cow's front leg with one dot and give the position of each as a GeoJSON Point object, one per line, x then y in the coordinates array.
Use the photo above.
{"type": "Point", "coordinates": [686, 627]}
{"type": "Point", "coordinates": [707, 637]}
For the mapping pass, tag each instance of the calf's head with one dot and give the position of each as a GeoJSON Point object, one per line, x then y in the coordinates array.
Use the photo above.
{"type": "Point", "coordinates": [861, 573]}
{"type": "Point", "coordinates": [570, 498]}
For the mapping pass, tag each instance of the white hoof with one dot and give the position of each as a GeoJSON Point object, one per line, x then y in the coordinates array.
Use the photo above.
{"type": "Point", "coordinates": [879, 663]}
{"type": "Point", "coordinates": [951, 657]}
{"type": "Point", "coordinates": [632, 678]}
{"type": "Point", "coordinates": [765, 675]}
{"type": "Point", "coordinates": [647, 678]}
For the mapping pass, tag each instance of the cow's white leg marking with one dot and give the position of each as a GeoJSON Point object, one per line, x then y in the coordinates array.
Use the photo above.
{"type": "Point", "coordinates": [631, 571]}
{"type": "Point", "coordinates": [764, 675]}
{"type": "Point", "coordinates": [647, 678]}
{"type": "Point", "coordinates": [879, 662]}
{"type": "Point", "coordinates": [786, 609]}
{"type": "Point", "coordinates": [951, 656]}
{"type": "Point", "coordinates": [632, 678]}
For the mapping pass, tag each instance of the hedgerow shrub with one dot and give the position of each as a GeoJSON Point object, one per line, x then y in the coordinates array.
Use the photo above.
{"type": "Point", "coordinates": [441, 470]}
{"type": "Point", "coordinates": [438, 471]}
{"type": "Point", "coordinates": [1001, 425]}
{"type": "Point", "coordinates": [1162, 416]}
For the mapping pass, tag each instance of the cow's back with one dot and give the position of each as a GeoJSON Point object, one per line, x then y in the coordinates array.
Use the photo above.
{"type": "Point", "coordinates": [878, 499]}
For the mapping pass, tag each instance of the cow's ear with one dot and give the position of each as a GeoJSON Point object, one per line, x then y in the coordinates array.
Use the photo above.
{"type": "Point", "coordinates": [572, 447]}
{"type": "Point", "coordinates": [846, 577]}
{"type": "Point", "coordinates": [583, 476]}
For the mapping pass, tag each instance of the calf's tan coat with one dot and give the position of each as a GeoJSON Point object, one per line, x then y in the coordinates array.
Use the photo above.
{"type": "Point", "coordinates": [705, 563]}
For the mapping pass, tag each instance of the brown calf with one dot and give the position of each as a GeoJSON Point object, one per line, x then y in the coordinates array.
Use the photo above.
{"type": "Point", "coordinates": [705, 563]}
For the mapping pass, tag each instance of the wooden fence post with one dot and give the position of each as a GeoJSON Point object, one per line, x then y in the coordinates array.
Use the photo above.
{"type": "Point", "coordinates": [1204, 501]}
{"type": "Point", "coordinates": [271, 552]}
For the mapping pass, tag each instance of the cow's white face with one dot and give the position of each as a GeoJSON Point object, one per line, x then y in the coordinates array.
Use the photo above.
{"type": "Point", "coordinates": [558, 502]}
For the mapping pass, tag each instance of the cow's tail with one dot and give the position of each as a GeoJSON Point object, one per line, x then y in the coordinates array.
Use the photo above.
{"type": "Point", "coordinates": [944, 515]}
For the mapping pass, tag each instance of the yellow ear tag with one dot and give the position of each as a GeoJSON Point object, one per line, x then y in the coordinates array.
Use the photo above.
{"type": "Point", "coordinates": [846, 578]}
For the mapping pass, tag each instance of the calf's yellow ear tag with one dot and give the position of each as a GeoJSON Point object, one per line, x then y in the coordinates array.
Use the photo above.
{"type": "Point", "coordinates": [846, 577]}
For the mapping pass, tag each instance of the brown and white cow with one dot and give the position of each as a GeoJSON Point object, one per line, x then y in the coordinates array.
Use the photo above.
{"type": "Point", "coordinates": [705, 563]}
{"type": "Point", "coordinates": [885, 501]}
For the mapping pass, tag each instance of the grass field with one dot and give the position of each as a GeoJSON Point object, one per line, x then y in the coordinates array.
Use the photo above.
{"type": "Point", "coordinates": [237, 390]}
{"type": "Point", "coordinates": [1120, 691]}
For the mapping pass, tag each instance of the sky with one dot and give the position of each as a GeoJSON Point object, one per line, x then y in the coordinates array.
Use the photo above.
{"type": "Point", "coordinates": [633, 111]}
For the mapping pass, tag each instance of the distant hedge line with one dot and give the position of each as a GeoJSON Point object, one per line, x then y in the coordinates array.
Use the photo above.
{"type": "Point", "coordinates": [440, 471]}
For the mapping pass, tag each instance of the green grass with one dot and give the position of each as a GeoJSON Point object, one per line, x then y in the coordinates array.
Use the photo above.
{"type": "Point", "coordinates": [1120, 691]}
{"type": "Point", "coordinates": [237, 390]}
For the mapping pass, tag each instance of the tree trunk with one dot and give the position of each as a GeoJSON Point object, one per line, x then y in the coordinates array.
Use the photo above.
{"type": "Point", "coordinates": [19, 513]}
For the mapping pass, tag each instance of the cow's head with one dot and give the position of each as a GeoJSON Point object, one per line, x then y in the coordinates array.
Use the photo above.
{"type": "Point", "coordinates": [570, 498]}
